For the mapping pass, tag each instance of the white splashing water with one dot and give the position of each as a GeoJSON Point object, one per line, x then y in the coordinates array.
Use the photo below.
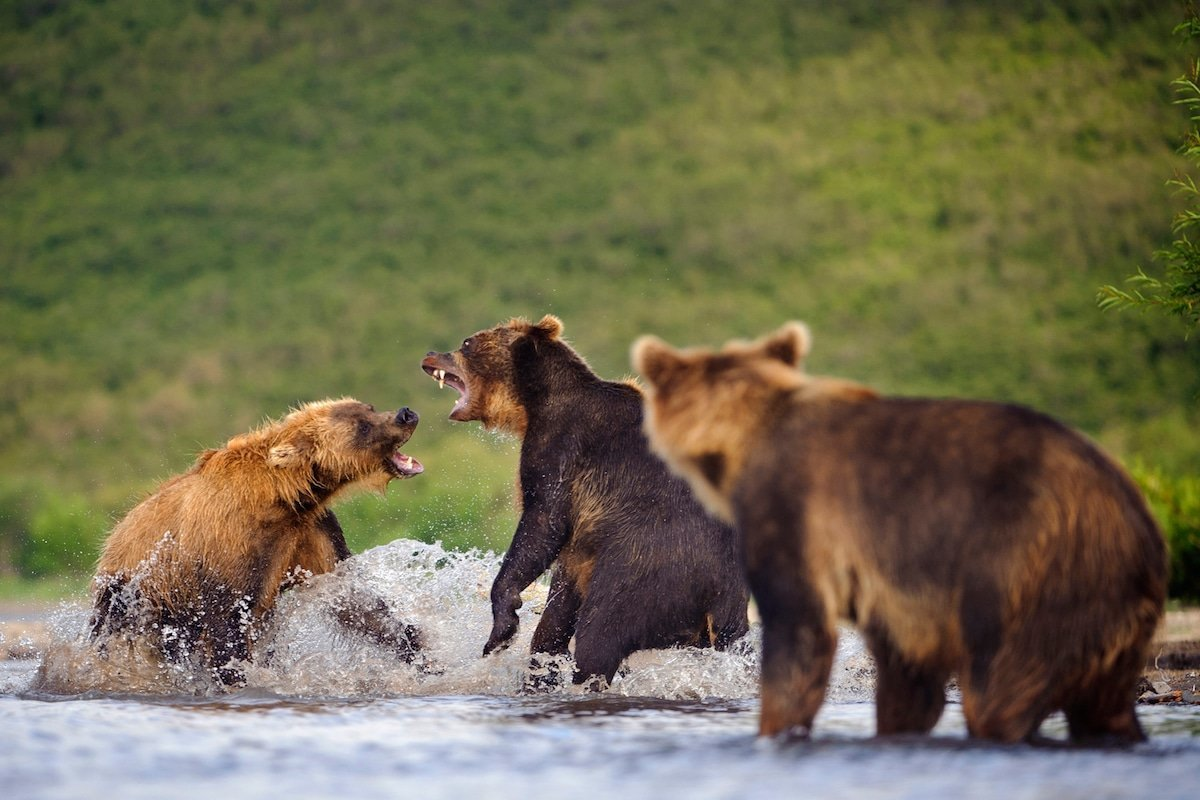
{"type": "Point", "coordinates": [306, 653]}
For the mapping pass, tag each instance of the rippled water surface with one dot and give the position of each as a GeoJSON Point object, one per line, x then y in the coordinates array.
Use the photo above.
{"type": "Point", "coordinates": [324, 715]}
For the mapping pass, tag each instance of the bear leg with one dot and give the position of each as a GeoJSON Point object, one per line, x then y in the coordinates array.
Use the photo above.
{"type": "Point", "coordinates": [368, 614]}
{"type": "Point", "coordinates": [796, 660]}
{"type": "Point", "coordinates": [557, 625]}
{"type": "Point", "coordinates": [602, 643]}
{"type": "Point", "coordinates": [1006, 698]}
{"type": "Point", "coordinates": [1105, 723]}
{"type": "Point", "coordinates": [997, 719]}
{"type": "Point", "coordinates": [1102, 710]}
{"type": "Point", "coordinates": [552, 636]}
{"type": "Point", "coordinates": [909, 697]}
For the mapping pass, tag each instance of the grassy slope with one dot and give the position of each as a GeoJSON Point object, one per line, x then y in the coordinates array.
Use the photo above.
{"type": "Point", "coordinates": [212, 211]}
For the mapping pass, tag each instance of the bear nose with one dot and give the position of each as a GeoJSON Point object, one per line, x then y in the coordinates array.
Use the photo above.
{"type": "Point", "coordinates": [431, 353]}
{"type": "Point", "coordinates": [406, 416]}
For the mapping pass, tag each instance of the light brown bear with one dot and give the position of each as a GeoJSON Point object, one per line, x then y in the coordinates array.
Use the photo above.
{"type": "Point", "coordinates": [198, 565]}
{"type": "Point", "coordinates": [969, 538]}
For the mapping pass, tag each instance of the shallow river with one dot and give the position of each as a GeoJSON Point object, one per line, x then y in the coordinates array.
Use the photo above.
{"type": "Point", "coordinates": [325, 715]}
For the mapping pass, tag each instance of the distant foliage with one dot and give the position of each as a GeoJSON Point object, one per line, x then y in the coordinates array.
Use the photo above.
{"type": "Point", "coordinates": [212, 211]}
{"type": "Point", "coordinates": [60, 535]}
{"type": "Point", "coordinates": [1176, 504]}
{"type": "Point", "coordinates": [1178, 290]}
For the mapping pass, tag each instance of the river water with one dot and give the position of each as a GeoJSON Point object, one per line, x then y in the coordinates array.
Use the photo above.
{"type": "Point", "coordinates": [324, 714]}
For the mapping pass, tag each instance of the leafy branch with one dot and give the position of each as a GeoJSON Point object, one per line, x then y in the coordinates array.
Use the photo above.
{"type": "Point", "coordinates": [1177, 292]}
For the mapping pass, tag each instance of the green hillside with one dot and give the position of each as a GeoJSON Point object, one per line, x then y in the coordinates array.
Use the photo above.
{"type": "Point", "coordinates": [211, 211]}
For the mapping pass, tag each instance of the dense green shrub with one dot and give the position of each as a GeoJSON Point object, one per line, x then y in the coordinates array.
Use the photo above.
{"type": "Point", "coordinates": [1176, 503]}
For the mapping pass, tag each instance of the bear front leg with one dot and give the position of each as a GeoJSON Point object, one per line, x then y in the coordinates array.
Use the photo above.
{"type": "Point", "coordinates": [796, 660]}
{"type": "Point", "coordinates": [798, 642]}
{"type": "Point", "coordinates": [534, 548]}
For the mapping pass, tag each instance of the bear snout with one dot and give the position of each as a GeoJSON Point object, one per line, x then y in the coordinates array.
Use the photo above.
{"type": "Point", "coordinates": [406, 416]}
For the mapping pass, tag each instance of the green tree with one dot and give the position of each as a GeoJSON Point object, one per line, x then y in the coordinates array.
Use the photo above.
{"type": "Point", "coordinates": [1178, 290]}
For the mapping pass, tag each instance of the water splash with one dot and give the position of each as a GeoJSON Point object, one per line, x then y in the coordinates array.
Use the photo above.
{"type": "Point", "coordinates": [305, 652]}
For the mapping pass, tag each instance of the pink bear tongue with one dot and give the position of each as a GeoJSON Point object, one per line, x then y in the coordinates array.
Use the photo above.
{"type": "Point", "coordinates": [407, 464]}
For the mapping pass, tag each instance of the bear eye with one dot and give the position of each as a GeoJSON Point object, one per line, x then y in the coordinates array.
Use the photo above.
{"type": "Point", "coordinates": [364, 428]}
{"type": "Point", "coordinates": [466, 345]}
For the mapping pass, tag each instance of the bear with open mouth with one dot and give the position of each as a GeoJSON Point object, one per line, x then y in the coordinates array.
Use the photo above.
{"type": "Point", "coordinates": [198, 565]}
{"type": "Point", "coordinates": [638, 564]}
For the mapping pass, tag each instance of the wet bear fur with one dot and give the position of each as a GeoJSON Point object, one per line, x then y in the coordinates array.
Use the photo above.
{"type": "Point", "coordinates": [969, 538]}
{"type": "Point", "coordinates": [198, 565]}
{"type": "Point", "coordinates": [638, 564]}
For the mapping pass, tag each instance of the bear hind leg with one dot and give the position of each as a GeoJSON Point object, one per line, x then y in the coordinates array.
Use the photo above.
{"type": "Point", "coordinates": [1104, 724]}
{"type": "Point", "coordinates": [557, 625]}
{"type": "Point", "coordinates": [601, 646]}
{"type": "Point", "coordinates": [552, 636]}
{"type": "Point", "coordinates": [1101, 711]}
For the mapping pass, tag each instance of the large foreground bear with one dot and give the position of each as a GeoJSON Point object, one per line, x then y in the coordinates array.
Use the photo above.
{"type": "Point", "coordinates": [979, 539]}
{"type": "Point", "coordinates": [639, 563]}
{"type": "Point", "coordinates": [197, 566]}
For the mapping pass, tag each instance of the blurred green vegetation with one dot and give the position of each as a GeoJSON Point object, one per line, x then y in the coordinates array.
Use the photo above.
{"type": "Point", "coordinates": [1176, 501]}
{"type": "Point", "coordinates": [212, 211]}
{"type": "Point", "coordinates": [1177, 291]}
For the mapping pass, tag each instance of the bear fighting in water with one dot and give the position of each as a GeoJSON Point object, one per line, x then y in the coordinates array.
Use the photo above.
{"type": "Point", "coordinates": [977, 539]}
{"type": "Point", "coordinates": [197, 566]}
{"type": "Point", "coordinates": [638, 562]}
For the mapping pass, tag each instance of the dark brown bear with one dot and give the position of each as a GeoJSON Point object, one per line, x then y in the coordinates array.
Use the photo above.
{"type": "Point", "coordinates": [639, 564]}
{"type": "Point", "coordinates": [968, 538]}
{"type": "Point", "coordinates": [198, 565]}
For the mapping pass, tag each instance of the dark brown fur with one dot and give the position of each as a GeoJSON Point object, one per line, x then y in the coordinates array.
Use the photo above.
{"type": "Point", "coordinates": [638, 562]}
{"type": "Point", "coordinates": [969, 538]}
{"type": "Point", "coordinates": [198, 564]}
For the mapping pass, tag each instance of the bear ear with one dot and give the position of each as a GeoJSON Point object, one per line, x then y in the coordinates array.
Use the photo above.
{"type": "Point", "coordinates": [288, 454]}
{"type": "Point", "coordinates": [790, 344]}
{"type": "Point", "coordinates": [655, 360]}
{"type": "Point", "coordinates": [549, 326]}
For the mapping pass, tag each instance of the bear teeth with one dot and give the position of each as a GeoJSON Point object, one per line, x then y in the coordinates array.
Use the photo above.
{"type": "Point", "coordinates": [440, 376]}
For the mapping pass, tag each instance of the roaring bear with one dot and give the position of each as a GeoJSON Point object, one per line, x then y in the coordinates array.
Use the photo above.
{"type": "Point", "coordinates": [197, 566]}
{"type": "Point", "coordinates": [970, 538]}
{"type": "Point", "coordinates": [638, 562]}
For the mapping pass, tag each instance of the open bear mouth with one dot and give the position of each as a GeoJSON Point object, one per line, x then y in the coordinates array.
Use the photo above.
{"type": "Point", "coordinates": [446, 378]}
{"type": "Point", "coordinates": [403, 466]}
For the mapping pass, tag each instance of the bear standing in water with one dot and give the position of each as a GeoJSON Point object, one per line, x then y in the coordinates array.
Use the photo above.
{"type": "Point", "coordinates": [639, 564]}
{"type": "Point", "coordinates": [198, 565]}
{"type": "Point", "coordinates": [961, 537]}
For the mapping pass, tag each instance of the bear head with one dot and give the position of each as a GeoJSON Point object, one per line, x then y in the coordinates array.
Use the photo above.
{"type": "Point", "coordinates": [703, 406]}
{"type": "Point", "coordinates": [484, 371]}
{"type": "Point", "coordinates": [323, 448]}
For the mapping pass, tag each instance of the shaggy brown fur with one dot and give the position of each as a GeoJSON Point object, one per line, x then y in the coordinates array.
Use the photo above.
{"type": "Point", "coordinates": [638, 562]}
{"type": "Point", "coordinates": [972, 538]}
{"type": "Point", "coordinates": [198, 564]}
